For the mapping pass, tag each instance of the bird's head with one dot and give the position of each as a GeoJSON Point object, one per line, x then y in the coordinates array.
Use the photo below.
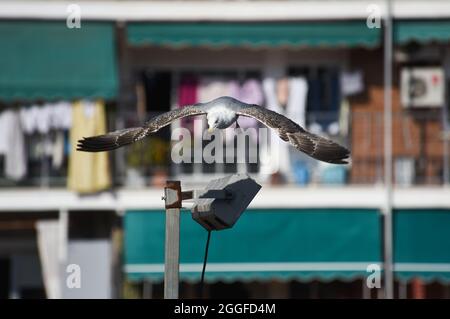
{"type": "Point", "coordinates": [213, 121]}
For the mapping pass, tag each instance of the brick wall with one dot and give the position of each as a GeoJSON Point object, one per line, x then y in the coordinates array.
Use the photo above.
{"type": "Point", "coordinates": [415, 134]}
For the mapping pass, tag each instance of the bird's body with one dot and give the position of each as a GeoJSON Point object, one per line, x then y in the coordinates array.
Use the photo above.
{"type": "Point", "coordinates": [222, 113]}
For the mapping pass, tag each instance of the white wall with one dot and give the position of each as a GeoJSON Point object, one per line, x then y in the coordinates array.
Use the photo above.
{"type": "Point", "coordinates": [94, 259]}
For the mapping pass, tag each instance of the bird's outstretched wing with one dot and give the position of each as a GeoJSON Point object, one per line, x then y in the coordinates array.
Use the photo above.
{"type": "Point", "coordinates": [116, 139]}
{"type": "Point", "coordinates": [315, 146]}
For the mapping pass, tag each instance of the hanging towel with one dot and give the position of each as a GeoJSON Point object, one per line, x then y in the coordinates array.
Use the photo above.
{"type": "Point", "coordinates": [52, 243]}
{"type": "Point", "coordinates": [296, 107]}
{"type": "Point", "coordinates": [12, 145]}
{"type": "Point", "coordinates": [276, 157]}
{"type": "Point", "coordinates": [88, 172]}
{"type": "Point", "coordinates": [61, 115]}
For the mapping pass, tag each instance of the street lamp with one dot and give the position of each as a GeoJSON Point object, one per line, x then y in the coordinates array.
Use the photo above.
{"type": "Point", "coordinates": [217, 207]}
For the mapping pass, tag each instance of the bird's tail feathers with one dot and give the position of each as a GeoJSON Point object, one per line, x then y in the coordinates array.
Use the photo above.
{"type": "Point", "coordinates": [110, 141]}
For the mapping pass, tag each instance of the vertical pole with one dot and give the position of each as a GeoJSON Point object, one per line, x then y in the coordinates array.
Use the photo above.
{"type": "Point", "coordinates": [172, 192]}
{"type": "Point", "coordinates": [387, 225]}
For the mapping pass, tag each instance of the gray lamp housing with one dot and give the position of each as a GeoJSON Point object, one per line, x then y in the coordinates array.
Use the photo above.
{"type": "Point", "coordinates": [223, 201]}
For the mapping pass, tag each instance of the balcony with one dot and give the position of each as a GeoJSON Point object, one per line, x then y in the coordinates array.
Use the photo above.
{"type": "Point", "coordinates": [420, 155]}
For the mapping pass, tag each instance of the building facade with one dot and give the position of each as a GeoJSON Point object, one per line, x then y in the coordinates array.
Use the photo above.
{"type": "Point", "coordinates": [313, 231]}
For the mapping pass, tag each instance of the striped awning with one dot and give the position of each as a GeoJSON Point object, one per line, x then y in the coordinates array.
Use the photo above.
{"type": "Point", "coordinates": [47, 60]}
{"type": "Point", "coordinates": [301, 244]}
{"type": "Point", "coordinates": [421, 31]}
{"type": "Point", "coordinates": [253, 34]}
{"type": "Point", "coordinates": [264, 244]}
{"type": "Point", "coordinates": [422, 244]}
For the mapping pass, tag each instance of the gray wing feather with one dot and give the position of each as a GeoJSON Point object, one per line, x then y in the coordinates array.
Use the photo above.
{"type": "Point", "coordinates": [315, 146]}
{"type": "Point", "coordinates": [116, 139]}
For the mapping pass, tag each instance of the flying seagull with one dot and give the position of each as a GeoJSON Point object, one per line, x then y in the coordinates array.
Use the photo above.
{"type": "Point", "coordinates": [222, 113]}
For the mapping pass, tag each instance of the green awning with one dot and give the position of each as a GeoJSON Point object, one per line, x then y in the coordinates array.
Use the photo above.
{"type": "Point", "coordinates": [287, 243]}
{"type": "Point", "coordinates": [47, 60]}
{"type": "Point", "coordinates": [422, 244]}
{"type": "Point", "coordinates": [254, 35]}
{"type": "Point", "coordinates": [422, 31]}
{"type": "Point", "coordinates": [264, 244]}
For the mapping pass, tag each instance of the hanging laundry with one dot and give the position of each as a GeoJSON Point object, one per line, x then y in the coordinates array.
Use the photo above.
{"type": "Point", "coordinates": [295, 110]}
{"type": "Point", "coordinates": [283, 91]}
{"type": "Point", "coordinates": [61, 115]}
{"type": "Point", "coordinates": [58, 150]}
{"type": "Point", "coordinates": [88, 172]}
{"type": "Point", "coordinates": [211, 88]}
{"type": "Point", "coordinates": [352, 82]}
{"type": "Point", "coordinates": [187, 95]}
{"type": "Point", "coordinates": [28, 118]}
{"type": "Point", "coordinates": [269, 88]}
{"type": "Point", "coordinates": [296, 107]}
{"type": "Point", "coordinates": [12, 145]}
{"type": "Point", "coordinates": [60, 121]}
{"type": "Point", "coordinates": [44, 118]}
{"type": "Point", "coordinates": [249, 92]}
{"type": "Point", "coordinates": [276, 158]}
{"type": "Point", "coordinates": [187, 91]}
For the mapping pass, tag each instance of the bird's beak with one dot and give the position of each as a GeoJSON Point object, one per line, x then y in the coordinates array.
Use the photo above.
{"type": "Point", "coordinates": [210, 129]}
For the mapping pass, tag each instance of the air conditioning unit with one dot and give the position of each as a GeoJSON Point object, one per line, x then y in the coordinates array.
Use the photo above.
{"type": "Point", "coordinates": [422, 87]}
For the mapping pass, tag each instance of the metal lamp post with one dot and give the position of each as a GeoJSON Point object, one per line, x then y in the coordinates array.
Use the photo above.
{"type": "Point", "coordinates": [217, 207]}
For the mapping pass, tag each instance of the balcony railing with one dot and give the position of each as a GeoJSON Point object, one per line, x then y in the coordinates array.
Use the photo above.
{"type": "Point", "coordinates": [420, 155]}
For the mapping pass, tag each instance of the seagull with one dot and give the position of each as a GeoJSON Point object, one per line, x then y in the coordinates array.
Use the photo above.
{"type": "Point", "coordinates": [222, 113]}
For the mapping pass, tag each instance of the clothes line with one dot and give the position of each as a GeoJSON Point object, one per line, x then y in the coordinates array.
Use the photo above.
{"type": "Point", "coordinates": [45, 135]}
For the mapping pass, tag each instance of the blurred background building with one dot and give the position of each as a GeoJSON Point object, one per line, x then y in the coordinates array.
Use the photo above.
{"type": "Point", "coordinates": [312, 230]}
